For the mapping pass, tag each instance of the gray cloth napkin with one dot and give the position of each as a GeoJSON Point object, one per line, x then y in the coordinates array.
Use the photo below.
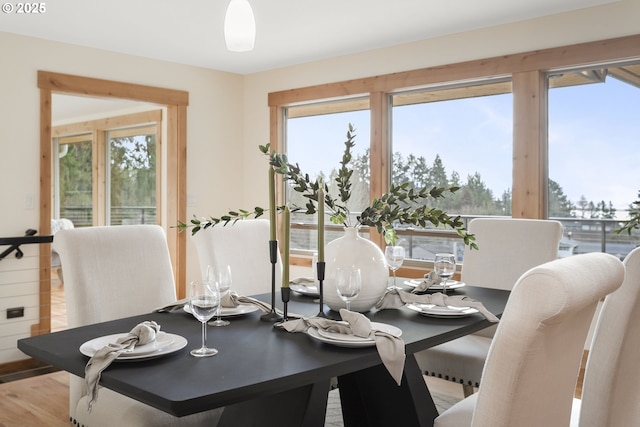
{"type": "Point", "coordinates": [398, 298]}
{"type": "Point", "coordinates": [302, 281]}
{"type": "Point", "coordinates": [390, 348]}
{"type": "Point", "coordinates": [173, 306]}
{"type": "Point", "coordinates": [429, 280]}
{"type": "Point", "coordinates": [143, 333]}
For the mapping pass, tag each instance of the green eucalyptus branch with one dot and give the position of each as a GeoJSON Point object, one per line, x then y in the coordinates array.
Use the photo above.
{"type": "Point", "coordinates": [634, 218]}
{"type": "Point", "coordinates": [302, 183]}
{"type": "Point", "coordinates": [196, 224]}
{"type": "Point", "coordinates": [343, 179]}
{"type": "Point", "coordinates": [394, 207]}
{"type": "Point", "coordinates": [401, 205]}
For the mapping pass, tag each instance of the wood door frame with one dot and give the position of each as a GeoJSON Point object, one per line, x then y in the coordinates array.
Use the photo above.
{"type": "Point", "coordinates": [176, 102]}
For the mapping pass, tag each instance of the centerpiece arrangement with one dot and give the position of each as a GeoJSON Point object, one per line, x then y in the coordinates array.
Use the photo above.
{"type": "Point", "coordinates": [402, 204]}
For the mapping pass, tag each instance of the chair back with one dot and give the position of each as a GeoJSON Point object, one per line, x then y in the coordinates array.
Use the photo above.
{"type": "Point", "coordinates": [114, 272]}
{"type": "Point", "coordinates": [508, 247]}
{"type": "Point", "coordinates": [243, 245]}
{"type": "Point", "coordinates": [57, 225]}
{"type": "Point", "coordinates": [611, 387]}
{"type": "Point", "coordinates": [533, 362]}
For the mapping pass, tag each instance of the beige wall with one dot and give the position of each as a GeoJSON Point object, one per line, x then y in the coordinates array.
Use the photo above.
{"type": "Point", "coordinates": [228, 115]}
{"type": "Point", "coordinates": [215, 125]}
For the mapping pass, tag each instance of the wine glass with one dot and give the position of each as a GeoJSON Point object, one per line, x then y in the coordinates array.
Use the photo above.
{"type": "Point", "coordinates": [222, 280]}
{"type": "Point", "coordinates": [444, 266]}
{"type": "Point", "coordinates": [348, 284]}
{"type": "Point", "coordinates": [395, 257]}
{"type": "Point", "coordinates": [204, 299]}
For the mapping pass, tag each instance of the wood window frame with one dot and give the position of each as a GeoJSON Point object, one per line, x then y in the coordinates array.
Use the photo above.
{"type": "Point", "coordinates": [176, 102]}
{"type": "Point", "coordinates": [527, 71]}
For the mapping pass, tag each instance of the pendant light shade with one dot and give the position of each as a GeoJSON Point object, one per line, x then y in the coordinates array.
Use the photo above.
{"type": "Point", "coordinates": [239, 26]}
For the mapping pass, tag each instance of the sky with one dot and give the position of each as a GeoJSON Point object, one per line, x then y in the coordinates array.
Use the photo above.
{"type": "Point", "coordinates": [594, 139]}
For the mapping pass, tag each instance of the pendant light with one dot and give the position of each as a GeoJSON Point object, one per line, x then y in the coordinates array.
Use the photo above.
{"type": "Point", "coordinates": [239, 26]}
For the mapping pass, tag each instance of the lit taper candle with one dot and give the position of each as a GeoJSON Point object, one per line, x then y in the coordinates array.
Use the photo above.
{"type": "Point", "coordinates": [320, 224]}
{"type": "Point", "coordinates": [285, 247]}
{"type": "Point", "coordinates": [272, 204]}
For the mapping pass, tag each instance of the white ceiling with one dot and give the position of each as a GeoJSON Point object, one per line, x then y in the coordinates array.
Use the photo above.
{"type": "Point", "coordinates": [289, 32]}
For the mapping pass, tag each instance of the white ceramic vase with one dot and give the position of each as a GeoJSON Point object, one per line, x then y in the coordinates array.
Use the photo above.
{"type": "Point", "coordinates": [354, 250]}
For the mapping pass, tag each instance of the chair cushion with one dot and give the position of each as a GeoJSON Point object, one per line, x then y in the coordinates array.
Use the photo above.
{"type": "Point", "coordinates": [460, 360]}
{"type": "Point", "coordinates": [458, 415]}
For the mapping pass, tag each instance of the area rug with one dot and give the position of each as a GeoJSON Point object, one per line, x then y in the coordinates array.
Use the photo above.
{"type": "Point", "coordinates": [334, 412]}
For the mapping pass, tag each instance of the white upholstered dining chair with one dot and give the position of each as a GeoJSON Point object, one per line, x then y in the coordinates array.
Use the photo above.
{"type": "Point", "coordinates": [508, 247]}
{"type": "Point", "coordinates": [114, 272]}
{"type": "Point", "coordinates": [531, 370]}
{"type": "Point", "coordinates": [243, 245]}
{"type": "Point", "coordinates": [611, 386]}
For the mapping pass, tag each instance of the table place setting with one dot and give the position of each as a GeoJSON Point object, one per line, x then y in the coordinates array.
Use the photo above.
{"type": "Point", "coordinates": [233, 311]}
{"type": "Point", "coordinates": [432, 283]}
{"type": "Point", "coordinates": [232, 304]}
{"type": "Point", "coordinates": [305, 286]}
{"type": "Point", "coordinates": [356, 330]}
{"type": "Point", "coordinates": [144, 341]}
{"type": "Point", "coordinates": [164, 343]}
{"type": "Point", "coordinates": [436, 305]}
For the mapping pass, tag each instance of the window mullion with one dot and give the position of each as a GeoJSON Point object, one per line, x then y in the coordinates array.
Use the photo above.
{"type": "Point", "coordinates": [530, 160]}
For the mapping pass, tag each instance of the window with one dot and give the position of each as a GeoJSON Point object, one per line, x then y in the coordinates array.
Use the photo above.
{"type": "Point", "coordinates": [108, 176]}
{"type": "Point", "coordinates": [518, 169]}
{"type": "Point", "coordinates": [456, 135]}
{"type": "Point", "coordinates": [315, 140]}
{"type": "Point", "coordinates": [593, 155]}
{"type": "Point", "coordinates": [132, 176]}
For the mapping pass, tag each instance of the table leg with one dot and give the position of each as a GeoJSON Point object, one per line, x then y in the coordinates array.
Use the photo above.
{"type": "Point", "coordinates": [301, 407]}
{"type": "Point", "coordinates": [372, 398]}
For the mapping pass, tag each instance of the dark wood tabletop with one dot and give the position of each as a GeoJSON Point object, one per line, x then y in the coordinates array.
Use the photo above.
{"type": "Point", "coordinates": [259, 368]}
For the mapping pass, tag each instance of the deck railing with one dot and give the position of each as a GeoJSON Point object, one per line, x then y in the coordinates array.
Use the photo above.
{"type": "Point", "coordinates": [579, 236]}
{"type": "Point", "coordinates": [82, 216]}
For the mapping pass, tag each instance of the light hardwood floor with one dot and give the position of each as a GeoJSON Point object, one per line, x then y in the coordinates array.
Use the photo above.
{"type": "Point", "coordinates": [36, 402]}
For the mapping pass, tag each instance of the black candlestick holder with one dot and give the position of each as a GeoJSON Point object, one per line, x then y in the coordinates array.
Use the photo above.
{"type": "Point", "coordinates": [320, 266]}
{"type": "Point", "coordinates": [272, 316]}
{"type": "Point", "coordinates": [286, 295]}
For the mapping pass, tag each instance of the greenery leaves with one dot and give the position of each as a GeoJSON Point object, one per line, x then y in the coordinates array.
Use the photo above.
{"type": "Point", "coordinates": [403, 204]}
{"type": "Point", "coordinates": [196, 224]}
{"type": "Point", "coordinates": [634, 218]}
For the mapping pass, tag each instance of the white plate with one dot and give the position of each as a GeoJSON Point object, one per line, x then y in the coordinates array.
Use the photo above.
{"type": "Point", "coordinates": [451, 284]}
{"type": "Point", "coordinates": [343, 340]}
{"type": "Point", "coordinates": [440, 311]}
{"type": "Point", "coordinates": [231, 311]}
{"type": "Point", "coordinates": [165, 344]}
{"type": "Point", "coordinates": [308, 290]}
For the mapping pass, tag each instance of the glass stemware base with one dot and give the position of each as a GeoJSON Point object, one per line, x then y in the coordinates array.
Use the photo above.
{"type": "Point", "coordinates": [219, 322]}
{"type": "Point", "coordinates": [204, 352]}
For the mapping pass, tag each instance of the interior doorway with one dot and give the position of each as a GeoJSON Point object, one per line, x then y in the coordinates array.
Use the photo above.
{"type": "Point", "coordinates": [173, 206]}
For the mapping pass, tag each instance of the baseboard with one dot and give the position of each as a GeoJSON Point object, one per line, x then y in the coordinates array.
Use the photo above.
{"type": "Point", "coordinates": [21, 369]}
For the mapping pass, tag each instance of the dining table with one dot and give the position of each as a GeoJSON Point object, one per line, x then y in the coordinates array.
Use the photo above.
{"type": "Point", "coordinates": [265, 376]}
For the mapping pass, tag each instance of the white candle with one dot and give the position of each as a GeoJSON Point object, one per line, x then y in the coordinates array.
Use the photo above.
{"type": "Point", "coordinates": [285, 247]}
{"type": "Point", "coordinates": [272, 204]}
{"type": "Point", "coordinates": [320, 225]}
